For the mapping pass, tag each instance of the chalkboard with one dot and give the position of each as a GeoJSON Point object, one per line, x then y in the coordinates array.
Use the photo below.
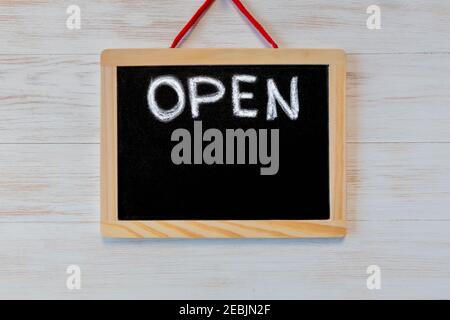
{"type": "Point", "coordinates": [223, 143]}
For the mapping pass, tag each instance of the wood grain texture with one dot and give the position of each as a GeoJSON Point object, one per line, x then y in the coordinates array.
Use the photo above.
{"type": "Point", "coordinates": [39, 26]}
{"type": "Point", "coordinates": [398, 167]}
{"type": "Point", "coordinates": [413, 256]}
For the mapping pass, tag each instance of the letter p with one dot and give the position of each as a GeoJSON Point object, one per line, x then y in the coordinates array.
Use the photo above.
{"type": "Point", "coordinates": [197, 99]}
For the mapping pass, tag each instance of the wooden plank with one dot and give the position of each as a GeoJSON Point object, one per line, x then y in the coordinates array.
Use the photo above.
{"type": "Point", "coordinates": [55, 99]}
{"type": "Point", "coordinates": [49, 182]}
{"type": "Point", "coordinates": [413, 257]}
{"type": "Point", "coordinates": [40, 26]}
{"type": "Point", "coordinates": [387, 182]}
{"type": "Point", "coordinates": [392, 98]}
{"type": "Point", "coordinates": [49, 99]}
{"type": "Point", "coordinates": [398, 181]}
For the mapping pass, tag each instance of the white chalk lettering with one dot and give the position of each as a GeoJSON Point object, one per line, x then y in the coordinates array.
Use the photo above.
{"type": "Point", "coordinates": [275, 96]}
{"type": "Point", "coordinates": [196, 100]}
{"type": "Point", "coordinates": [163, 114]}
{"type": "Point", "coordinates": [237, 96]}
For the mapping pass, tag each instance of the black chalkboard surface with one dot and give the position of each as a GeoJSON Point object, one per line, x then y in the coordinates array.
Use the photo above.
{"type": "Point", "coordinates": [151, 186]}
{"type": "Point", "coordinates": [223, 142]}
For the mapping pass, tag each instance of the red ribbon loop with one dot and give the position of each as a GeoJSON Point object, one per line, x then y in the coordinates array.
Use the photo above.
{"type": "Point", "coordinates": [205, 7]}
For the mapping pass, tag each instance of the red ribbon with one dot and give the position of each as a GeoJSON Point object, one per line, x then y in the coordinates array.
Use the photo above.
{"type": "Point", "coordinates": [205, 7]}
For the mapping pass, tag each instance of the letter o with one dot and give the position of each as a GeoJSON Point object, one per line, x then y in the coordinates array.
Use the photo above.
{"type": "Point", "coordinates": [162, 114]}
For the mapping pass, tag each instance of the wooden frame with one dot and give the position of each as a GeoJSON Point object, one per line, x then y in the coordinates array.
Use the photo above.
{"type": "Point", "coordinates": [112, 227]}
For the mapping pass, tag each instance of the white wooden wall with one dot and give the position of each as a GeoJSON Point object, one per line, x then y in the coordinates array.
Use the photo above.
{"type": "Point", "coordinates": [398, 154]}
